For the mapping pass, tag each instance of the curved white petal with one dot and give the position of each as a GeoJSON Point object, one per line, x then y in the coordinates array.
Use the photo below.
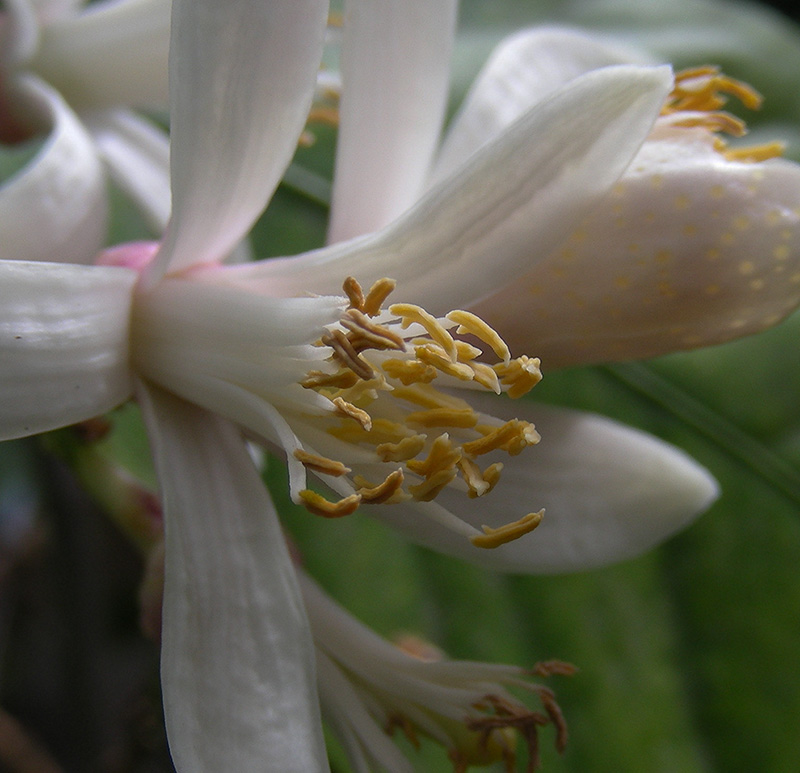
{"type": "Point", "coordinates": [113, 53]}
{"type": "Point", "coordinates": [242, 76]}
{"type": "Point", "coordinates": [55, 208]}
{"type": "Point", "coordinates": [137, 154]}
{"type": "Point", "coordinates": [520, 196]}
{"type": "Point", "coordinates": [54, 9]}
{"type": "Point", "coordinates": [609, 493]}
{"type": "Point", "coordinates": [63, 344]}
{"type": "Point", "coordinates": [237, 659]}
{"type": "Point", "coordinates": [524, 69]}
{"type": "Point", "coordinates": [395, 68]}
{"type": "Point", "coordinates": [688, 249]}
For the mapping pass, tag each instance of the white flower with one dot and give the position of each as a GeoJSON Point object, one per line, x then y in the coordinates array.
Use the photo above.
{"type": "Point", "coordinates": [193, 339]}
{"type": "Point", "coordinates": [370, 688]}
{"type": "Point", "coordinates": [59, 61]}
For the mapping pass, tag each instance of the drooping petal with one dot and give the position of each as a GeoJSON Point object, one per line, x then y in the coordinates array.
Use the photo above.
{"type": "Point", "coordinates": [113, 53]}
{"type": "Point", "coordinates": [244, 77]}
{"type": "Point", "coordinates": [137, 154]}
{"type": "Point", "coordinates": [395, 68]}
{"type": "Point", "coordinates": [517, 200]}
{"type": "Point", "coordinates": [63, 344]}
{"type": "Point", "coordinates": [688, 249]}
{"type": "Point", "coordinates": [524, 69]}
{"type": "Point", "coordinates": [237, 661]}
{"type": "Point", "coordinates": [55, 208]}
{"type": "Point", "coordinates": [609, 493]}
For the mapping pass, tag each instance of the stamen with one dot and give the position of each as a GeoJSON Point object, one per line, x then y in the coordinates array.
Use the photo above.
{"type": "Point", "coordinates": [367, 335]}
{"type": "Point", "coordinates": [354, 293]}
{"type": "Point", "coordinates": [320, 464]}
{"type": "Point", "coordinates": [437, 357]}
{"type": "Point", "coordinates": [377, 294]}
{"type": "Point", "coordinates": [520, 375]}
{"type": "Point", "coordinates": [406, 449]}
{"type": "Point", "coordinates": [512, 436]}
{"type": "Point", "coordinates": [756, 153]}
{"type": "Point", "coordinates": [410, 313]}
{"type": "Point", "coordinates": [470, 323]}
{"type": "Point", "coordinates": [442, 456]}
{"type": "Point", "coordinates": [318, 505]}
{"type": "Point", "coordinates": [388, 492]}
{"type": "Point", "coordinates": [430, 488]}
{"type": "Point", "coordinates": [349, 411]}
{"type": "Point", "coordinates": [342, 379]}
{"type": "Point", "coordinates": [343, 351]}
{"type": "Point", "coordinates": [492, 538]}
{"type": "Point", "coordinates": [409, 371]}
{"type": "Point", "coordinates": [444, 417]}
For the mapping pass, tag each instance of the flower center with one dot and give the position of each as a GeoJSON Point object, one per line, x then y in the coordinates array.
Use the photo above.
{"type": "Point", "coordinates": [381, 382]}
{"type": "Point", "coordinates": [695, 101]}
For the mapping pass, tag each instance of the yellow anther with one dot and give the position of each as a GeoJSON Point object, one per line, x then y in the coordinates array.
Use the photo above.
{"type": "Point", "coordinates": [429, 397]}
{"type": "Point", "coordinates": [444, 417]}
{"type": "Point", "coordinates": [470, 323]}
{"type": "Point", "coordinates": [349, 411]}
{"type": "Point", "coordinates": [434, 355]}
{"type": "Point", "coordinates": [365, 334]}
{"type": "Point", "coordinates": [520, 375]}
{"type": "Point", "coordinates": [320, 464]}
{"type": "Point", "coordinates": [325, 115]}
{"type": "Point", "coordinates": [318, 505]}
{"type": "Point", "coordinates": [473, 477]}
{"type": "Point", "coordinates": [756, 153]}
{"type": "Point", "coordinates": [342, 379]}
{"type": "Point", "coordinates": [492, 475]}
{"type": "Point", "coordinates": [388, 492]}
{"type": "Point", "coordinates": [377, 294]}
{"type": "Point", "coordinates": [430, 488]}
{"type": "Point", "coordinates": [493, 538]}
{"type": "Point", "coordinates": [382, 431]}
{"type": "Point", "coordinates": [486, 376]}
{"type": "Point", "coordinates": [352, 289]}
{"type": "Point", "coordinates": [409, 313]}
{"type": "Point", "coordinates": [409, 371]}
{"type": "Point", "coordinates": [344, 352]}
{"type": "Point", "coordinates": [512, 437]}
{"type": "Point", "coordinates": [442, 456]}
{"type": "Point", "coordinates": [402, 451]}
{"type": "Point", "coordinates": [467, 352]}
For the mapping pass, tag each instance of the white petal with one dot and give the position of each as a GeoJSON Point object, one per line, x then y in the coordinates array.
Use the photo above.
{"type": "Point", "coordinates": [242, 77]}
{"type": "Point", "coordinates": [520, 196]}
{"type": "Point", "coordinates": [63, 344]}
{"type": "Point", "coordinates": [609, 493]}
{"type": "Point", "coordinates": [113, 53]}
{"type": "Point", "coordinates": [19, 32]}
{"type": "Point", "coordinates": [524, 69]}
{"type": "Point", "coordinates": [55, 208]}
{"type": "Point", "coordinates": [137, 153]}
{"type": "Point", "coordinates": [395, 67]}
{"type": "Point", "coordinates": [237, 660]}
{"type": "Point", "coordinates": [687, 250]}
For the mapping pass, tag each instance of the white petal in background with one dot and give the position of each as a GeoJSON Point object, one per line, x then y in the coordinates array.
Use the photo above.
{"type": "Point", "coordinates": [19, 34]}
{"type": "Point", "coordinates": [63, 344]}
{"type": "Point", "coordinates": [54, 209]}
{"type": "Point", "coordinates": [237, 661]}
{"type": "Point", "coordinates": [687, 250]}
{"type": "Point", "coordinates": [244, 75]}
{"type": "Point", "coordinates": [609, 493]}
{"type": "Point", "coordinates": [137, 155]}
{"type": "Point", "coordinates": [517, 200]}
{"type": "Point", "coordinates": [395, 73]}
{"type": "Point", "coordinates": [524, 69]}
{"type": "Point", "coordinates": [111, 54]}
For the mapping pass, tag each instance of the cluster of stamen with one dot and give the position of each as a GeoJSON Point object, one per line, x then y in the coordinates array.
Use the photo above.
{"type": "Point", "coordinates": [696, 101]}
{"type": "Point", "coordinates": [433, 435]}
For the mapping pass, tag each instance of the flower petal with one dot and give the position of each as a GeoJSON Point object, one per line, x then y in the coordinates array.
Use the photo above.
{"type": "Point", "coordinates": [517, 199]}
{"type": "Point", "coordinates": [688, 249]}
{"type": "Point", "coordinates": [137, 154]}
{"type": "Point", "coordinates": [243, 76]}
{"type": "Point", "coordinates": [524, 69]}
{"type": "Point", "coordinates": [63, 344]}
{"type": "Point", "coordinates": [113, 53]}
{"type": "Point", "coordinates": [55, 208]}
{"type": "Point", "coordinates": [237, 660]}
{"type": "Point", "coordinates": [609, 493]}
{"type": "Point", "coordinates": [20, 32]}
{"type": "Point", "coordinates": [395, 67]}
